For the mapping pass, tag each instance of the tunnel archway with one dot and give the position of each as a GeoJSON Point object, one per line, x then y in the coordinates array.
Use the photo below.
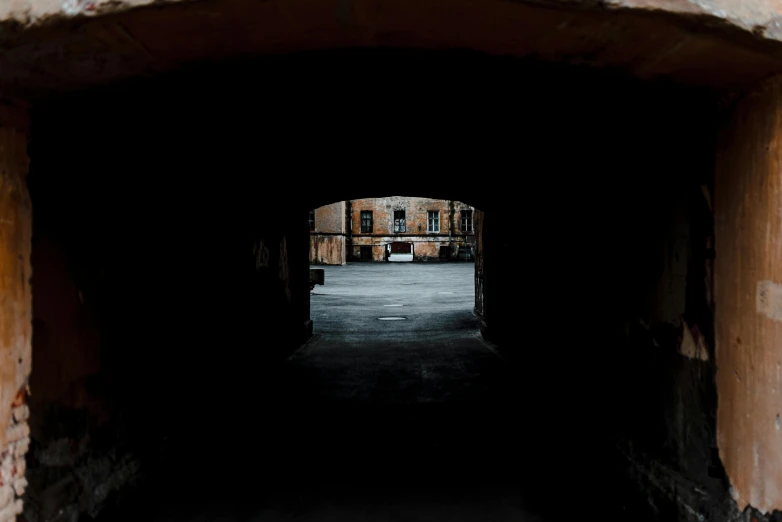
{"type": "Point", "coordinates": [98, 43]}
{"type": "Point", "coordinates": [189, 243]}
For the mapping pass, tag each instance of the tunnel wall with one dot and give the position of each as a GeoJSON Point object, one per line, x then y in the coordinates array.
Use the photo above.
{"type": "Point", "coordinates": [617, 321]}
{"type": "Point", "coordinates": [79, 456]}
{"type": "Point", "coordinates": [605, 302]}
{"type": "Point", "coordinates": [162, 294]}
{"type": "Point", "coordinates": [747, 208]}
{"type": "Point", "coordinates": [15, 306]}
{"type": "Point", "coordinates": [594, 278]}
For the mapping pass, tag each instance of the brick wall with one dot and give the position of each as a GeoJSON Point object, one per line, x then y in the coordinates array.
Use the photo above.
{"type": "Point", "coordinates": [327, 240]}
{"type": "Point", "coordinates": [427, 245]}
{"type": "Point", "coordinates": [331, 218]}
{"type": "Point", "coordinates": [13, 465]}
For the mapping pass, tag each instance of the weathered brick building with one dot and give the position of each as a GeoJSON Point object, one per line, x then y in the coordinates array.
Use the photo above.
{"type": "Point", "coordinates": [428, 229]}
{"type": "Point", "coordinates": [395, 228]}
{"type": "Point", "coordinates": [328, 229]}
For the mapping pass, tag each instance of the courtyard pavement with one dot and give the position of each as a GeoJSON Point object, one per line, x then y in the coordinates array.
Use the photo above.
{"type": "Point", "coordinates": [396, 410]}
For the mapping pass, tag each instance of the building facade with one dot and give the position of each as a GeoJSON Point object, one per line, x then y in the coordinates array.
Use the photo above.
{"type": "Point", "coordinates": [328, 232]}
{"type": "Point", "coordinates": [394, 228]}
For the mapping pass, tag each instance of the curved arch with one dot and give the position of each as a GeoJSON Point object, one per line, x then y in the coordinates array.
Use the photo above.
{"type": "Point", "coordinates": [711, 42]}
{"type": "Point", "coordinates": [463, 196]}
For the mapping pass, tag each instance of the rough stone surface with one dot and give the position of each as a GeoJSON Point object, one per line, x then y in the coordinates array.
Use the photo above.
{"type": "Point", "coordinates": [50, 47]}
{"type": "Point", "coordinates": [13, 483]}
{"type": "Point", "coordinates": [758, 16]}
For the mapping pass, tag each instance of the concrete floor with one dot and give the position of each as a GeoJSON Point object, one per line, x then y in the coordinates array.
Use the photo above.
{"type": "Point", "coordinates": [434, 355]}
{"type": "Point", "coordinates": [372, 420]}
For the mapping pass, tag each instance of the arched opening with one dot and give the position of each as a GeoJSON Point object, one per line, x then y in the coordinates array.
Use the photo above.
{"type": "Point", "coordinates": [413, 399]}
{"type": "Point", "coordinates": [182, 233]}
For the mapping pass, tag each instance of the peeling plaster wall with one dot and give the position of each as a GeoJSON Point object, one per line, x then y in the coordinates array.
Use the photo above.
{"type": "Point", "coordinates": [327, 241]}
{"type": "Point", "coordinates": [426, 244]}
{"type": "Point", "coordinates": [15, 307]}
{"type": "Point", "coordinates": [748, 276]}
{"type": "Point", "coordinates": [327, 250]}
{"type": "Point", "coordinates": [425, 248]}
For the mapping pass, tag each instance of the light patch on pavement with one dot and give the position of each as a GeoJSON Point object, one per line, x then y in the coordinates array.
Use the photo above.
{"type": "Point", "coordinates": [393, 318]}
{"type": "Point", "coordinates": [448, 293]}
{"type": "Point", "coordinates": [393, 305]}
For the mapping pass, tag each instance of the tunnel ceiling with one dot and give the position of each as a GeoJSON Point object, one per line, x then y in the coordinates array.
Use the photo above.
{"type": "Point", "coordinates": [51, 47]}
{"type": "Point", "coordinates": [350, 124]}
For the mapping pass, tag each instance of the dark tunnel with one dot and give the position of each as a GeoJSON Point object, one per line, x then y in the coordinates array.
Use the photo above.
{"type": "Point", "coordinates": [162, 333]}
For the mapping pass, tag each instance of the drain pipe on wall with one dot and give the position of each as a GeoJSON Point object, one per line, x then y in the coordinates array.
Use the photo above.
{"type": "Point", "coordinates": [349, 227]}
{"type": "Point", "coordinates": [450, 228]}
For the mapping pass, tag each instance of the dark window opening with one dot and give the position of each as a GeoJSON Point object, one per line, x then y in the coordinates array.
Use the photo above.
{"type": "Point", "coordinates": [466, 220]}
{"type": "Point", "coordinates": [399, 221]}
{"type": "Point", "coordinates": [312, 221]}
{"type": "Point", "coordinates": [445, 252]}
{"type": "Point", "coordinates": [365, 253]}
{"type": "Point", "coordinates": [401, 248]}
{"type": "Point", "coordinates": [366, 222]}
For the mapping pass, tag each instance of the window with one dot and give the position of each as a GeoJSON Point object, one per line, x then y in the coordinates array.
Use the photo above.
{"type": "Point", "coordinates": [434, 221]}
{"type": "Point", "coordinates": [366, 221]}
{"type": "Point", "coordinates": [466, 220]}
{"type": "Point", "coordinates": [365, 253]}
{"type": "Point", "coordinates": [399, 221]}
{"type": "Point", "coordinates": [312, 221]}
